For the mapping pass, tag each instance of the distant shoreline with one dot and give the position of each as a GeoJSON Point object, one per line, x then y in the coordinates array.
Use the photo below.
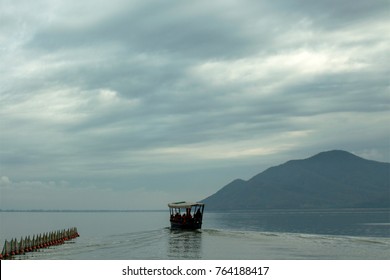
{"type": "Point", "coordinates": [77, 211]}
{"type": "Point", "coordinates": [210, 210]}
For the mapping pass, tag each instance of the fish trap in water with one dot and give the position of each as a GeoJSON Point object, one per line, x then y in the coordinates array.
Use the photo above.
{"type": "Point", "coordinates": [28, 244]}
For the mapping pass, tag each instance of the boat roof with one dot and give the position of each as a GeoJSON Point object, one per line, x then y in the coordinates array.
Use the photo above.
{"type": "Point", "coordinates": [184, 204]}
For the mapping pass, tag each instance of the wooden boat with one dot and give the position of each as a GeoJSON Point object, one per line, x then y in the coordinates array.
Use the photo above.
{"type": "Point", "coordinates": [186, 215]}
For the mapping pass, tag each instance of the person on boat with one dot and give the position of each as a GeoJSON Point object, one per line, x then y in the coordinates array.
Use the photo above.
{"type": "Point", "coordinates": [177, 217]}
{"type": "Point", "coordinates": [198, 215]}
{"type": "Point", "coordinates": [184, 218]}
{"type": "Point", "coordinates": [188, 215]}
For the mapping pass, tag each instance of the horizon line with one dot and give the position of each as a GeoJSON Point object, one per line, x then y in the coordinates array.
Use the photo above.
{"type": "Point", "coordinates": [82, 210]}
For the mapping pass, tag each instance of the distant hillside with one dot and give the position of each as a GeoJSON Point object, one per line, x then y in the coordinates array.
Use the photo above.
{"type": "Point", "coordinates": [333, 179]}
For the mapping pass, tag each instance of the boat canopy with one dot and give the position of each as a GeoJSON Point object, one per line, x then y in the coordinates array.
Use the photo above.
{"type": "Point", "coordinates": [184, 204]}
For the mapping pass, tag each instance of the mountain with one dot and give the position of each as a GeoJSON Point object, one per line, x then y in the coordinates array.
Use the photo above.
{"type": "Point", "coordinates": [332, 179]}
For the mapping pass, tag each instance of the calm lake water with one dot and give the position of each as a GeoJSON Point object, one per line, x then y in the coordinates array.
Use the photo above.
{"type": "Point", "coordinates": [276, 234]}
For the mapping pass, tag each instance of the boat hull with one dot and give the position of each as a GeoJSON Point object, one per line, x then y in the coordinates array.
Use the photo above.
{"type": "Point", "coordinates": [187, 226]}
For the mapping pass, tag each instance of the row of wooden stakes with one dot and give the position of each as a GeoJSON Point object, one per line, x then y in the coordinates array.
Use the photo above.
{"type": "Point", "coordinates": [27, 244]}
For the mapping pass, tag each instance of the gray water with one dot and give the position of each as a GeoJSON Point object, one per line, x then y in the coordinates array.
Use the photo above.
{"type": "Point", "coordinates": [273, 234]}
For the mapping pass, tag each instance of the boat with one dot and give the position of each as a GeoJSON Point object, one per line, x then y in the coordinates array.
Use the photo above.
{"type": "Point", "coordinates": [186, 215]}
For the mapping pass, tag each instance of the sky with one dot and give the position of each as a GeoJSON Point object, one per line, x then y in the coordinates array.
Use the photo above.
{"type": "Point", "coordinates": [133, 104]}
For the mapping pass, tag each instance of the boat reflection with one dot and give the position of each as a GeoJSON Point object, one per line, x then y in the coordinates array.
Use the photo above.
{"type": "Point", "coordinates": [185, 244]}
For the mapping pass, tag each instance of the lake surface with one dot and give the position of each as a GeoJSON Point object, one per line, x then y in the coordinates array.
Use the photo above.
{"type": "Point", "coordinates": [272, 234]}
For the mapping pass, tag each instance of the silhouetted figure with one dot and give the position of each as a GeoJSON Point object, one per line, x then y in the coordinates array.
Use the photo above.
{"type": "Point", "coordinates": [198, 215]}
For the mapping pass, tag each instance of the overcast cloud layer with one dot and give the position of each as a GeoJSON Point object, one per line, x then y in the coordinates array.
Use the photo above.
{"type": "Point", "coordinates": [131, 104]}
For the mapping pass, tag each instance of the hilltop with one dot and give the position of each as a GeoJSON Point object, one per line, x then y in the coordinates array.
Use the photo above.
{"type": "Point", "coordinates": [332, 179]}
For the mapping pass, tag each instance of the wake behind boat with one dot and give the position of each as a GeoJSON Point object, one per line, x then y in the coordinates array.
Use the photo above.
{"type": "Point", "coordinates": [186, 215]}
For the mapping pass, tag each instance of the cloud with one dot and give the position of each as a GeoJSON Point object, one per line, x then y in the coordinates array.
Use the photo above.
{"type": "Point", "coordinates": [122, 95]}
